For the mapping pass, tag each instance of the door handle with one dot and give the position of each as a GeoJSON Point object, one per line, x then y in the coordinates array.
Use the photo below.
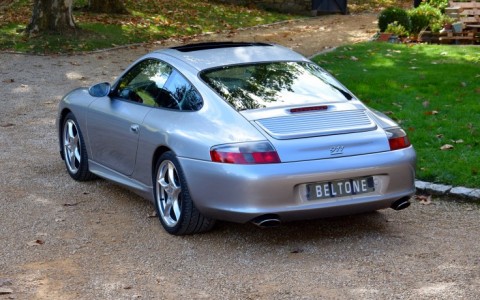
{"type": "Point", "coordinates": [134, 128]}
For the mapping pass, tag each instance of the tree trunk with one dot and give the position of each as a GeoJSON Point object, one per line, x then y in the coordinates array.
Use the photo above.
{"type": "Point", "coordinates": [107, 6]}
{"type": "Point", "coordinates": [51, 16]}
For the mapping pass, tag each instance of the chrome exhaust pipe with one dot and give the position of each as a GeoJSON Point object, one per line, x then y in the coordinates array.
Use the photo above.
{"type": "Point", "coordinates": [401, 203]}
{"type": "Point", "coordinates": [267, 221]}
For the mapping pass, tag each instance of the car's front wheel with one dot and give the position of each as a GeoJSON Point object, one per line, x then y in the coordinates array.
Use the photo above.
{"type": "Point", "coordinates": [74, 150]}
{"type": "Point", "coordinates": [173, 203]}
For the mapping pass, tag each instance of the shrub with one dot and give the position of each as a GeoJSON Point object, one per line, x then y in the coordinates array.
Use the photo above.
{"type": "Point", "coordinates": [440, 4]}
{"type": "Point", "coordinates": [396, 29]}
{"type": "Point", "coordinates": [423, 16]}
{"type": "Point", "coordinates": [392, 14]}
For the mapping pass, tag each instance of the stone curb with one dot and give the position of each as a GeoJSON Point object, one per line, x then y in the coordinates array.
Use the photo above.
{"type": "Point", "coordinates": [447, 190]}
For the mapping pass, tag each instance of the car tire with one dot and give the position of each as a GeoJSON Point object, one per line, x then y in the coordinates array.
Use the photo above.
{"type": "Point", "coordinates": [175, 208]}
{"type": "Point", "coordinates": [74, 150]}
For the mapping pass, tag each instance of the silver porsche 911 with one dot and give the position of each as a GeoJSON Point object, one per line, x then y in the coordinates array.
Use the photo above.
{"type": "Point", "coordinates": [242, 132]}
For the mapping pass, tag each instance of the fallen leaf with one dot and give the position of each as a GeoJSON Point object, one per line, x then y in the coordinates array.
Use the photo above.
{"type": "Point", "coordinates": [431, 113]}
{"type": "Point", "coordinates": [426, 103]}
{"type": "Point", "coordinates": [353, 58]}
{"type": "Point", "coordinates": [5, 291]}
{"type": "Point", "coordinates": [296, 251]}
{"type": "Point", "coordinates": [458, 141]}
{"type": "Point", "coordinates": [9, 80]}
{"type": "Point", "coordinates": [446, 147]}
{"type": "Point", "coordinates": [153, 214]}
{"type": "Point", "coordinates": [397, 105]}
{"type": "Point", "coordinates": [463, 84]}
{"type": "Point", "coordinates": [36, 243]}
{"type": "Point", "coordinates": [70, 204]}
{"type": "Point", "coordinates": [425, 200]}
{"type": "Point", "coordinates": [439, 135]}
{"type": "Point", "coordinates": [7, 125]}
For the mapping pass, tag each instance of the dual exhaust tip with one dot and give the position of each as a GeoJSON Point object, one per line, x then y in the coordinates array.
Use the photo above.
{"type": "Point", "coordinates": [270, 220]}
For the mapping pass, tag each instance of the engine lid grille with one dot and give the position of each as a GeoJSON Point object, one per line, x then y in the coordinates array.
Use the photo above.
{"type": "Point", "coordinates": [317, 124]}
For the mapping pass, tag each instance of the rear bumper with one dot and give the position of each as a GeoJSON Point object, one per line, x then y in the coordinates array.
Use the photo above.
{"type": "Point", "coordinates": [240, 193]}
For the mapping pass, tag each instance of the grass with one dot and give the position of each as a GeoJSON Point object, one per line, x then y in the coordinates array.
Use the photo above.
{"type": "Point", "coordinates": [147, 21]}
{"type": "Point", "coordinates": [433, 91]}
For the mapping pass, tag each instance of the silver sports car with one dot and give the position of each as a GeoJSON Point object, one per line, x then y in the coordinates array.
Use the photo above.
{"type": "Point", "coordinates": [242, 132]}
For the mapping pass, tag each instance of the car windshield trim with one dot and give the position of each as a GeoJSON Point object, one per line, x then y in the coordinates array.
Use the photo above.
{"type": "Point", "coordinates": [274, 84]}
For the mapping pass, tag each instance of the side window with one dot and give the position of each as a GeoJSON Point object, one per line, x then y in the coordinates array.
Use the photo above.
{"type": "Point", "coordinates": [144, 82]}
{"type": "Point", "coordinates": [183, 93]}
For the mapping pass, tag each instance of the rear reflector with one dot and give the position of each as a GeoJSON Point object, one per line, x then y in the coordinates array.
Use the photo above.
{"type": "Point", "coordinates": [245, 153]}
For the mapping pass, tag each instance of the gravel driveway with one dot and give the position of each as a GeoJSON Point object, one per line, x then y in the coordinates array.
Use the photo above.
{"type": "Point", "coordinates": [66, 240]}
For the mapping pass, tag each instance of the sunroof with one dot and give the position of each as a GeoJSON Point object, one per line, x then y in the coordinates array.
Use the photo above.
{"type": "Point", "coordinates": [216, 45]}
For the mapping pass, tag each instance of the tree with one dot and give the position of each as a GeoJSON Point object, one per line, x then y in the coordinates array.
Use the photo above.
{"type": "Point", "coordinates": [107, 6]}
{"type": "Point", "coordinates": [51, 16]}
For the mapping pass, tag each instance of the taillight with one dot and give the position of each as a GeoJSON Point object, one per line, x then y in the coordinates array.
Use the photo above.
{"type": "Point", "coordinates": [397, 138]}
{"type": "Point", "coordinates": [245, 153]}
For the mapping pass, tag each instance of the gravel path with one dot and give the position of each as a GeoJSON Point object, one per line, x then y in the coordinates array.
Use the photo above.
{"type": "Point", "coordinates": [66, 240]}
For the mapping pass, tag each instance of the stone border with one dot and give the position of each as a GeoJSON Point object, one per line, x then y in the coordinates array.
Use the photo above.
{"type": "Point", "coordinates": [447, 190]}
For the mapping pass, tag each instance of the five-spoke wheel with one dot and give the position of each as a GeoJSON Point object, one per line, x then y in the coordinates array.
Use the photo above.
{"type": "Point", "coordinates": [175, 208]}
{"type": "Point", "coordinates": [74, 151]}
{"type": "Point", "coordinates": [169, 192]}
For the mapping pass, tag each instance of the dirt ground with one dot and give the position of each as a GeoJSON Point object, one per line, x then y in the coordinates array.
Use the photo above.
{"type": "Point", "coordinates": [61, 239]}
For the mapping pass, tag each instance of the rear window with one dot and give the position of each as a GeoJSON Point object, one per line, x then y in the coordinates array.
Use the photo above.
{"type": "Point", "coordinates": [274, 84]}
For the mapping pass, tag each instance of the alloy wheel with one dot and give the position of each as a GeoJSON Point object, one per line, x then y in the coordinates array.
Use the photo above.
{"type": "Point", "coordinates": [169, 193]}
{"type": "Point", "coordinates": [72, 146]}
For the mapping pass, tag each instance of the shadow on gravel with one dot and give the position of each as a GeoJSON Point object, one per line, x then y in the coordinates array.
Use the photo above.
{"type": "Point", "coordinates": [355, 226]}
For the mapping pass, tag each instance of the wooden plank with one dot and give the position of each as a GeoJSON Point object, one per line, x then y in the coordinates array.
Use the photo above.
{"type": "Point", "coordinates": [470, 12]}
{"type": "Point", "coordinates": [445, 38]}
{"type": "Point", "coordinates": [469, 20]}
{"type": "Point", "coordinates": [465, 5]}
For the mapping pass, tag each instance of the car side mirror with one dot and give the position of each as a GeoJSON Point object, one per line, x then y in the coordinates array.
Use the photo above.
{"type": "Point", "coordinates": [100, 89]}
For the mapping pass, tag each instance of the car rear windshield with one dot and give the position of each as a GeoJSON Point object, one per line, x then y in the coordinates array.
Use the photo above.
{"type": "Point", "coordinates": [274, 84]}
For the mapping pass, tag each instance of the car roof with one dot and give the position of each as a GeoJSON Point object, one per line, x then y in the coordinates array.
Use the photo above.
{"type": "Point", "coordinates": [211, 55]}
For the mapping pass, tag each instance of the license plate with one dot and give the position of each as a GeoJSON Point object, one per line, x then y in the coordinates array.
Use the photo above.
{"type": "Point", "coordinates": [340, 188]}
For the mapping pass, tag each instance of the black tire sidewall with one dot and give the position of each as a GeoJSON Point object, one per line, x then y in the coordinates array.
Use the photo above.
{"type": "Point", "coordinates": [83, 172]}
{"type": "Point", "coordinates": [186, 205]}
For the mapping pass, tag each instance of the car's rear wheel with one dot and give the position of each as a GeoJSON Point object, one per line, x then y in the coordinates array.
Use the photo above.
{"type": "Point", "coordinates": [74, 150]}
{"type": "Point", "coordinates": [175, 208]}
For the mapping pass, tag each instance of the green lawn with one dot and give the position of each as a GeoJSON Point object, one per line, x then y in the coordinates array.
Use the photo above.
{"type": "Point", "coordinates": [148, 21]}
{"type": "Point", "coordinates": [433, 91]}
